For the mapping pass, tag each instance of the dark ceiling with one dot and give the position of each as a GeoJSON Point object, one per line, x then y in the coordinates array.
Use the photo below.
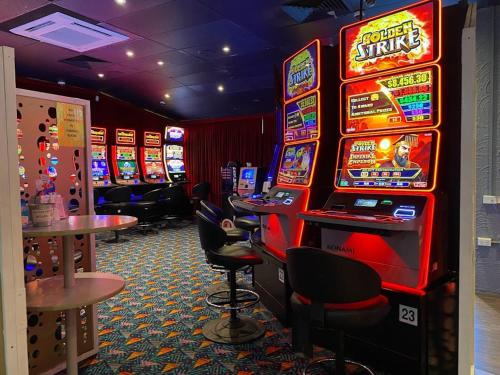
{"type": "Point", "coordinates": [188, 36]}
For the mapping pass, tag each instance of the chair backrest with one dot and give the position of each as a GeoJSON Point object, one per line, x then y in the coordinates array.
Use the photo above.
{"type": "Point", "coordinates": [119, 194]}
{"type": "Point", "coordinates": [153, 195]}
{"type": "Point", "coordinates": [212, 236]}
{"type": "Point", "coordinates": [211, 209]}
{"type": "Point", "coordinates": [324, 277]}
{"type": "Point", "coordinates": [201, 190]}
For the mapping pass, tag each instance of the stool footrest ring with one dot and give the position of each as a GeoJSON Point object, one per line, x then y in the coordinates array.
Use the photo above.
{"type": "Point", "coordinates": [352, 367]}
{"type": "Point", "coordinates": [220, 299]}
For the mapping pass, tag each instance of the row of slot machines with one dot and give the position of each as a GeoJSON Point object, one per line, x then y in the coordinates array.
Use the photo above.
{"type": "Point", "coordinates": [159, 163]}
{"type": "Point", "coordinates": [389, 207]}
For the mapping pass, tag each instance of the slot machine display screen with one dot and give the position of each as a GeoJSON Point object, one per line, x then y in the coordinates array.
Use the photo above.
{"type": "Point", "coordinates": [395, 40]}
{"type": "Point", "coordinates": [127, 168]}
{"type": "Point", "coordinates": [125, 153]}
{"type": "Point", "coordinates": [407, 99]}
{"type": "Point", "coordinates": [395, 161]}
{"type": "Point", "coordinates": [302, 118]}
{"type": "Point", "coordinates": [175, 166]}
{"type": "Point", "coordinates": [99, 162]}
{"type": "Point", "coordinates": [154, 168]}
{"type": "Point", "coordinates": [174, 152]}
{"type": "Point", "coordinates": [296, 163]}
{"type": "Point", "coordinates": [174, 133]}
{"type": "Point", "coordinates": [152, 154]}
{"type": "Point", "coordinates": [248, 174]}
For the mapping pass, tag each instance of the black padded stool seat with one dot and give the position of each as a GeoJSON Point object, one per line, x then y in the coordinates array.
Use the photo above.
{"type": "Point", "coordinates": [234, 257]}
{"type": "Point", "coordinates": [235, 329]}
{"type": "Point", "coordinates": [332, 292]}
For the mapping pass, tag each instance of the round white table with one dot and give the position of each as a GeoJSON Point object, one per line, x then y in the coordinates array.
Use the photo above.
{"type": "Point", "coordinates": [70, 291]}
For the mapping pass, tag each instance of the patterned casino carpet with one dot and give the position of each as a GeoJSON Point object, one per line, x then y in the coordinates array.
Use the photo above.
{"type": "Point", "coordinates": [154, 325]}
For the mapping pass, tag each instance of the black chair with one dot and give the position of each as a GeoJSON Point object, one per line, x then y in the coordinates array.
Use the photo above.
{"type": "Point", "coordinates": [235, 329]}
{"type": "Point", "coordinates": [148, 210]}
{"type": "Point", "coordinates": [234, 234]}
{"type": "Point", "coordinates": [200, 192]}
{"type": "Point", "coordinates": [334, 293]}
{"type": "Point", "coordinates": [243, 218]}
{"type": "Point", "coordinates": [175, 204]}
{"type": "Point", "coordinates": [117, 202]}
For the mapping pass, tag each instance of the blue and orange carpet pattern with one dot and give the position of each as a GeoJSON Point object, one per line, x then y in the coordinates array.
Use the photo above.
{"type": "Point", "coordinates": [154, 325]}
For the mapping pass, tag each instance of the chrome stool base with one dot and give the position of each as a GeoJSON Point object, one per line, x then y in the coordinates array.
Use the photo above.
{"type": "Point", "coordinates": [240, 331]}
{"type": "Point", "coordinates": [352, 368]}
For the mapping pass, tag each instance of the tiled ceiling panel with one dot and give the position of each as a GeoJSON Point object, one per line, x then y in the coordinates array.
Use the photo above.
{"type": "Point", "coordinates": [211, 33]}
{"type": "Point", "coordinates": [170, 16]}
{"type": "Point", "coordinates": [117, 52]}
{"type": "Point", "coordinates": [107, 9]}
{"type": "Point", "coordinates": [12, 8]}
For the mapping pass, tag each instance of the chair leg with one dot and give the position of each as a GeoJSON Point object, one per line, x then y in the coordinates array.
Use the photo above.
{"type": "Point", "coordinates": [301, 336]}
{"type": "Point", "coordinates": [339, 353]}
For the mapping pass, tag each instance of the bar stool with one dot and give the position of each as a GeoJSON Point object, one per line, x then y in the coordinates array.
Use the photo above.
{"type": "Point", "coordinates": [332, 292]}
{"type": "Point", "coordinates": [244, 219]}
{"type": "Point", "coordinates": [117, 202]}
{"type": "Point", "coordinates": [235, 329]}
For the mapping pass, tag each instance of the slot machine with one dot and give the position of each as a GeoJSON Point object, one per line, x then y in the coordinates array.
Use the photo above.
{"type": "Point", "coordinates": [250, 181]}
{"type": "Point", "coordinates": [153, 169]}
{"type": "Point", "coordinates": [389, 208]}
{"type": "Point", "coordinates": [298, 187]}
{"type": "Point", "coordinates": [173, 152]}
{"type": "Point", "coordinates": [124, 158]}
{"type": "Point", "coordinates": [100, 169]}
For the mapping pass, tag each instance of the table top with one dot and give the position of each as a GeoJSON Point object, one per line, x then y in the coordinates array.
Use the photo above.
{"type": "Point", "coordinates": [82, 225]}
{"type": "Point", "coordinates": [90, 287]}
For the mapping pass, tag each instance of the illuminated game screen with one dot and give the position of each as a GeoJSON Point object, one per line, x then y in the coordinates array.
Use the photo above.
{"type": "Point", "coordinates": [407, 99]}
{"type": "Point", "coordinates": [302, 118]}
{"type": "Point", "coordinates": [248, 174]}
{"type": "Point", "coordinates": [401, 38]}
{"type": "Point", "coordinates": [296, 164]}
{"type": "Point", "coordinates": [174, 133]}
{"type": "Point", "coordinates": [175, 166]}
{"type": "Point", "coordinates": [125, 153]}
{"type": "Point", "coordinates": [395, 161]}
{"type": "Point", "coordinates": [301, 72]}
{"type": "Point", "coordinates": [99, 169]}
{"type": "Point", "coordinates": [99, 163]}
{"type": "Point", "coordinates": [154, 168]}
{"type": "Point", "coordinates": [174, 152]}
{"type": "Point", "coordinates": [98, 152]}
{"type": "Point", "coordinates": [127, 168]}
{"type": "Point", "coordinates": [152, 154]}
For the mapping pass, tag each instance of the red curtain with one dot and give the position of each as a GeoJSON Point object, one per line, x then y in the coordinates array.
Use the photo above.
{"type": "Point", "coordinates": [210, 144]}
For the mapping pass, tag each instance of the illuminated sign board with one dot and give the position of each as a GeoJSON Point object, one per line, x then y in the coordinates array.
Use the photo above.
{"type": "Point", "coordinates": [400, 100]}
{"type": "Point", "coordinates": [302, 118]}
{"type": "Point", "coordinates": [407, 36]}
{"type": "Point", "coordinates": [174, 133]}
{"type": "Point", "coordinates": [392, 161]}
{"type": "Point", "coordinates": [97, 135]}
{"type": "Point", "coordinates": [301, 72]}
{"type": "Point", "coordinates": [152, 139]}
{"type": "Point", "coordinates": [125, 137]}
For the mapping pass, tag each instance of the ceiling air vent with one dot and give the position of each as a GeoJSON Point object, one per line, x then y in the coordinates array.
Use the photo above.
{"type": "Point", "coordinates": [311, 10]}
{"type": "Point", "coordinates": [68, 32]}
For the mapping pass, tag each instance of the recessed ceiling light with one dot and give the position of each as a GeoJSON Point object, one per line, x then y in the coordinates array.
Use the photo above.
{"type": "Point", "coordinates": [162, 102]}
{"type": "Point", "coordinates": [130, 53]}
{"type": "Point", "coordinates": [160, 62]}
{"type": "Point", "coordinates": [61, 82]}
{"type": "Point", "coordinates": [167, 96]}
{"type": "Point", "coordinates": [121, 2]}
{"type": "Point", "coordinates": [220, 88]}
{"type": "Point", "coordinates": [100, 75]}
{"type": "Point", "coordinates": [226, 49]}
